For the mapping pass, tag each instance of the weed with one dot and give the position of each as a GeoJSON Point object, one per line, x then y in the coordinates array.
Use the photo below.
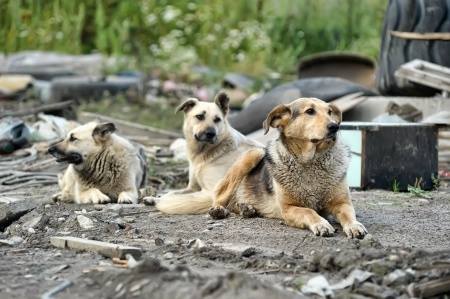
{"type": "Point", "coordinates": [417, 190]}
{"type": "Point", "coordinates": [395, 186]}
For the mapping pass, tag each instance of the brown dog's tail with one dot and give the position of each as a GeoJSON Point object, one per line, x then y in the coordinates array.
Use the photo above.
{"type": "Point", "coordinates": [227, 188]}
{"type": "Point", "coordinates": [188, 203]}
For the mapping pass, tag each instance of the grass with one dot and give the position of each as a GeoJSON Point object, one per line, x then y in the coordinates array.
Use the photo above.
{"type": "Point", "coordinates": [253, 36]}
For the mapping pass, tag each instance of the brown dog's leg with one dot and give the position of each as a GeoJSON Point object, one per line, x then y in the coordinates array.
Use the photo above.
{"type": "Point", "coordinates": [306, 218]}
{"type": "Point", "coordinates": [228, 187]}
{"type": "Point", "coordinates": [341, 207]}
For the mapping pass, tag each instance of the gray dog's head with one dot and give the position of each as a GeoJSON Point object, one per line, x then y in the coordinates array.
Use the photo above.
{"type": "Point", "coordinates": [82, 142]}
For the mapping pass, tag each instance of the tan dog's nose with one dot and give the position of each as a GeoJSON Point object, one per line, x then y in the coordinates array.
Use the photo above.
{"type": "Point", "coordinates": [333, 128]}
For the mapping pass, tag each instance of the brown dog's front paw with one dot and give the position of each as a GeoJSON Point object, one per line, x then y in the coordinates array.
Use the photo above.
{"type": "Point", "coordinates": [322, 228]}
{"type": "Point", "coordinates": [247, 211]}
{"type": "Point", "coordinates": [355, 230]}
{"type": "Point", "coordinates": [57, 197]}
{"type": "Point", "coordinates": [218, 212]}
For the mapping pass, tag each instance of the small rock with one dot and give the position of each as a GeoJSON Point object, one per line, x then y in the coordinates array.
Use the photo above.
{"type": "Point", "coordinates": [129, 219]}
{"type": "Point", "coordinates": [14, 240]}
{"type": "Point", "coordinates": [397, 277]}
{"type": "Point", "coordinates": [318, 286]}
{"type": "Point", "coordinates": [83, 211]}
{"type": "Point", "coordinates": [31, 230]}
{"type": "Point", "coordinates": [85, 222]}
{"type": "Point", "coordinates": [32, 223]}
{"type": "Point", "coordinates": [196, 244]}
{"type": "Point", "coordinates": [423, 201]}
{"type": "Point", "coordinates": [159, 242]}
{"type": "Point", "coordinates": [376, 291]}
{"type": "Point", "coordinates": [249, 252]}
{"type": "Point", "coordinates": [61, 219]}
{"type": "Point", "coordinates": [168, 255]}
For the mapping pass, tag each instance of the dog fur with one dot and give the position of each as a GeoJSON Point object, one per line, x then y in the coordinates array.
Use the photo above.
{"type": "Point", "coordinates": [103, 167]}
{"type": "Point", "coordinates": [297, 176]}
{"type": "Point", "coordinates": [212, 147]}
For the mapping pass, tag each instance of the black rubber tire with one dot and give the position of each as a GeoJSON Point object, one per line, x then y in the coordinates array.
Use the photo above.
{"type": "Point", "coordinates": [412, 16]}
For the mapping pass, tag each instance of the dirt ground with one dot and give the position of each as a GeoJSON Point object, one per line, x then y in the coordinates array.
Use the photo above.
{"type": "Point", "coordinates": [198, 257]}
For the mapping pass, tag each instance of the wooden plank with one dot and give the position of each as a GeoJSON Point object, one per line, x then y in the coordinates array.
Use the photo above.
{"type": "Point", "coordinates": [129, 128]}
{"type": "Point", "coordinates": [421, 36]}
{"type": "Point", "coordinates": [41, 108]}
{"type": "Point", "coordinates": [425, 73]}
{"type": "Point", "coordinates": [103, 248]}
{"type": "Point", "coordinates": [349, 101]}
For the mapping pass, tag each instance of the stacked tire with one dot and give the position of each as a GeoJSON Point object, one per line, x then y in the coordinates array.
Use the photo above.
{"type": "Point", "coordinates": [421, 16]}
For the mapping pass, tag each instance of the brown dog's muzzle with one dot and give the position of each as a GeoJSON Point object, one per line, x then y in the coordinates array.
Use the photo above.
{"type": "Point", "coordinates": [70, 157]}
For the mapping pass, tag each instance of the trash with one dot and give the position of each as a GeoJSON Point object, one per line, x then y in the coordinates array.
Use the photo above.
{"type": "Point", "coordinates": [103, 248]}
{"type": "Point", "coordinates": [318, 286]}
{"type": "Point", "coordinates": [50, 127]}
{"type": "Point", "coordinates": [59, 288]}
{"type": "Point", "coordinates": [406, 111]}
{"type": "Point", "coordinates": [85, 222]}
{"type": "Point", "coordinates": [14, 134]}
{"type": "Point", "coordinates": [356, 276]}
{"type": "Point", "coordinates": [11, 85]}
{"type": "Point", "coordinates": [376, 291]}
{"type": "Point", "coordinates": [178, 147]}
{"type": "Point", "coordinates": [196, 244]}
{"type": "Point", "coordinates": [48, 65]}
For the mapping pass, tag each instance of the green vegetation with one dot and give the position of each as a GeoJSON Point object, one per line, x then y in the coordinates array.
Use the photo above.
{"type": "Point", "coordinates": [255, 36]}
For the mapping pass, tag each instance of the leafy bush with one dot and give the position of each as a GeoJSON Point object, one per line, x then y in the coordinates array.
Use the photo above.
{"type": "Point", "coordinates": [255, 36]}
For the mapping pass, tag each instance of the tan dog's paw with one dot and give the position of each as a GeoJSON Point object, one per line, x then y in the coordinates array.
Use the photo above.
{"type": "Point", "coordinates": [247, 211]}
{"type": "Point", "coordinates": [322, 228]}
{"type": "Point", "coordinates": [355, 230]}
{"type": "Point", "coordinates": [126, 197]}
{"type": "Point", "coordinates": [218, 212]}
{"type": "Point", "coordinates": [97, 197]}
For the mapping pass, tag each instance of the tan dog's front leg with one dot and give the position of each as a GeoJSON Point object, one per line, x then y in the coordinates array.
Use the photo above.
{"type": "Point", "coordinates": [306, 218]}
{"type": "Point", "coordinates": [341, 207]}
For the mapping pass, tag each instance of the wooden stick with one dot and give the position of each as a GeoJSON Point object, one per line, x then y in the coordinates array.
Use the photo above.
{"type": "Point", "coordinates": [421, 36]}
{"type": "Point", "coordinates": [35, 110]}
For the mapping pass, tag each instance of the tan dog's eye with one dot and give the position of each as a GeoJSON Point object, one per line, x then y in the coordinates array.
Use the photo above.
{"type": "Point", "coordinates": [217, 119]}
{"type": "Point", "coordinates": [200, 117]}
{"type": "Point", "coordinates": [330, 111]}
{"type": "Point", "coordinates": [310, 111]}
{"type": "Point", "coordinates": [72, 138]}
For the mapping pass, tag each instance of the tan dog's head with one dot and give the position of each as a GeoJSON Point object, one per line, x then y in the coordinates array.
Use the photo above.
{"type": "Point", "coordinates": [82, 142]}
{"type": "Point", "coordinates": [309, 121]}
{"type": "Point", "coordinates": [205, 122]}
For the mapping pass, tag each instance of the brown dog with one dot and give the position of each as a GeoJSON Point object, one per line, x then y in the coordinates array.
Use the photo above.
{"type": "Point", "coordinates": [297, 176]}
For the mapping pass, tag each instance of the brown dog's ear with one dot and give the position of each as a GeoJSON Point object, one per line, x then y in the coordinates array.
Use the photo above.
{"type": "Point", "coordinates": [186, 105]}
{"type": "Point", "coordinates": [336, 112]}
{"type": "Point", "coordinates": [277, 118]}
{"type": "Point", "coordinates": [222, 100]}
{"type": "Point", "coordinates": [103, 131]}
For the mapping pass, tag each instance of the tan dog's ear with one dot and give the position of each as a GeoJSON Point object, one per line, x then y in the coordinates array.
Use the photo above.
{"type": "Point", "coordinates": [103, 131]}
{"type": "Point", "coordinates": [222, 101]}
{"type": "Point", "coordinates": [186, 105]}
{"type": "Point", "coordinates": [277, 118]}
{"type": "Point", "coordinates": [336, 112]}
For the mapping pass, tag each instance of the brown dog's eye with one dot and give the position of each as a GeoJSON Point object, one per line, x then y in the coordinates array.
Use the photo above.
{"type": "Point", "coordinates": [200, 116]}
{"type": "Point", "coordinates": [310, 111]}
{"type": "Point", "coordinates": [329, 112]}
{"type": "Point", "coordinates": [217, 119]}
{"type": "Point", "coordinates": [72, 138]}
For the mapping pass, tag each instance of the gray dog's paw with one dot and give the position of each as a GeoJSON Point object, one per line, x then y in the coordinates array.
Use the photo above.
{"type": "Point", "coordinates": [218, 212]}
{"type": "Point", "coordinates": [247, 211]}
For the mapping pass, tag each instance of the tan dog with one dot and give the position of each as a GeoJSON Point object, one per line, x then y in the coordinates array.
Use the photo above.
{"type": "Point", "coordinates": [297, 176]}
{"type": "Point", "coordinates": [103, 166]}
{"type": "Point", "coordinates": [212, 147]}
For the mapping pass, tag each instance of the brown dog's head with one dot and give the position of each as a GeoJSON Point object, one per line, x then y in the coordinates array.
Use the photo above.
{"type": "Point", "coordinates": [82, 142]}
{"type": "Point", "coordinates": [205, 122]}
{"type": "Point", "coordinates": [309, 122]}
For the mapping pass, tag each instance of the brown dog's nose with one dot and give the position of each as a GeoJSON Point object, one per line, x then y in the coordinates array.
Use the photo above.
{"type": "Point", "coordinates": [333, 127]}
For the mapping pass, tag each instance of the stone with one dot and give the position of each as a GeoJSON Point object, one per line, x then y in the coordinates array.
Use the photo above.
{"type": "Point", "coordinates": [196, 244]}
{"type": "Point", "coordinates": [356, 276]}
{"type": "Point", "coordinates": [168, 255]}
{"type": "Point", "coordinates": [397, 277]}
{"type": "Point", "coordinates": [85, 222]}
{"type": "Point", "coordinates": [376, 291]}
{"type": "Point", "coordinates": [32, 223]}
{"type": "Point", "coordinates": [318, 285]}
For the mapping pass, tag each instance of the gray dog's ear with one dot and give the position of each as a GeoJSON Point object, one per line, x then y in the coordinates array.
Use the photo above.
{"type": "Point", "coordinates": [222, 101]}
{"type": "Point", "coordinates": [103, 131]}
{"type": "Point", "coordinates": [277, 118]}
{"type": "Point", "coordinates": [186, 105]}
